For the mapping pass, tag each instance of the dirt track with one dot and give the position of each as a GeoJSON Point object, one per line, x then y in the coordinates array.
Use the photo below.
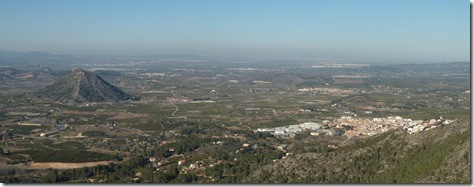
{"type": "Point", "coordinates": [125, 115]}
{"type": "Point", "coordinates": [62, 165]}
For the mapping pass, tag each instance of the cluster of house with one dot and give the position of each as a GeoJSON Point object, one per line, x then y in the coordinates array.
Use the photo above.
{"type": "Point", "coordinates": [184, 165]}
{"type": "Point", "coordinates": [292, 130]}
{"type": "Point", "coordinates": [427, 125]}
{"type": "Point", "coordinates": [327, 90]}
{"type": "Point", "coordinates": [369, 127]}
{"type": "Point", "coordinates": [358, 126]}
{"type": "Point", "coordinates": [190, 167]}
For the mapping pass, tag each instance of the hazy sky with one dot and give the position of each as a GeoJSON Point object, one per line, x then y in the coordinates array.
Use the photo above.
{"type": "Point", "coordinates": [398, 30]}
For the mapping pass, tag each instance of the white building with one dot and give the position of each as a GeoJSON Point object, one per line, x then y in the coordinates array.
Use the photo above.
{"type": "Point", "coordinates": [310, 125]}
{"type": "Point", "coordinates": [279, 131]}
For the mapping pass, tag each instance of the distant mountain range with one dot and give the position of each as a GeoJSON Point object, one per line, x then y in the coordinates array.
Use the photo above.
{"type": "Point", "coordinates": [82, 86]}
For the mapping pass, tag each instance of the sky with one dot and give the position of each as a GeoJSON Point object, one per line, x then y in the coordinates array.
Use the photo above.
{"type": "Point", "coordinates": [357, 30]}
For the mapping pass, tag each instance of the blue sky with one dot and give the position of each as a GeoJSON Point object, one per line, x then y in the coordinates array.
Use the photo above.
{"type": "Point", "coordinates": [359, 30]}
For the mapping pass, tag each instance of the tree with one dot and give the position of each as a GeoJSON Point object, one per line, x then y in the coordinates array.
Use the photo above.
{"type": "Point", "coordinates": [160, 177]}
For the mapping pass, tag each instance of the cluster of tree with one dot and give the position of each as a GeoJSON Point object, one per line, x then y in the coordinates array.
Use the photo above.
{"type": "Point", "coordinates": [6, 135]}
{"type": "Point", "coordinates": [252, 135]}
{"type": "Point", "coordinates": [94, 133]}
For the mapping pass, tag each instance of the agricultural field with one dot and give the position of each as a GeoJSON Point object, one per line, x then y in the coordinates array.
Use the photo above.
{"type": "Point", "coordinates": [216, 122]}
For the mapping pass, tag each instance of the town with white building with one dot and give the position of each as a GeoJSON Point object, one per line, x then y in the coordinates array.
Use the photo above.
{"type": "Point", "coordinates": [357, 126]}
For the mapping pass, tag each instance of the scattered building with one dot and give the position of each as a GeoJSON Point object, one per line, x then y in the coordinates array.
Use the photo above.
{"type": "Point", "coordinates": [29, 124]}
{"type": "Point", "coordinates": [329, 132]}
{"type": "Point", "coordinates": [314, 133]}
{"type": "Point", "coordinates": [282, 147]}
{"type": "Point", "coordinates": [181, 162]}
{"type": "Point", "coordinates": [370, 127]}
{"type": "Point", "coordinates": [47, 134]}
{"type": "Point", "coordinates": [291, 130]}
{"type": "Point", "coordinates": [79, 135]}
{"type": "Point", "coordinates": [29, 114]}
{"type": "Point", "coordinates": [279, 132]}
{"type": "Point", "coordinates": [310, 126]}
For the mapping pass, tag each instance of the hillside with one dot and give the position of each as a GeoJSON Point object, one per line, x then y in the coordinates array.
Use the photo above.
{"type": "Point", "coordinates": [441, 155]}
{"type": "Point", "coordinates": [9, 73]}
{"type": "Point", "coordinates": [82, 86]}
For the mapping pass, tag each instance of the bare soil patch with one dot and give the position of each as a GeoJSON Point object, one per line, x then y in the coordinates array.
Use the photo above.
{"type": "Point", "coordinates": [62, 165]}
{"type": "Point", "coordinates": [126, 115]}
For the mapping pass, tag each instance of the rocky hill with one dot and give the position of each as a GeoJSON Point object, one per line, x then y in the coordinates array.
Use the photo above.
{"type": "Point", "coordinates": [9, 73]}
{"type": "Point", "coordinates": [82, 86]}
{"type": "Point", "coordinates": [441, 155]}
